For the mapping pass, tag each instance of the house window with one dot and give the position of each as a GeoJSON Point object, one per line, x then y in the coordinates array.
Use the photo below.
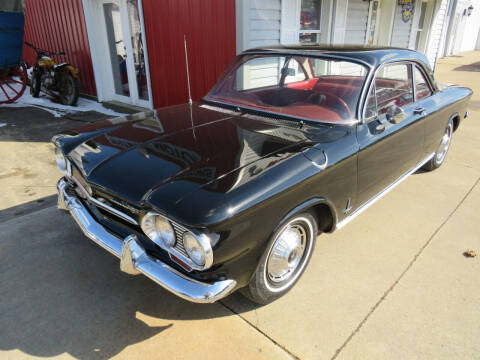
{"type": "Point", "coordinates": [309, 22]}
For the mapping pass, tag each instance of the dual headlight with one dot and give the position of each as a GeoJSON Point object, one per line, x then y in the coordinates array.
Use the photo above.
{"type": "Point", "coordinates": [160, 230]}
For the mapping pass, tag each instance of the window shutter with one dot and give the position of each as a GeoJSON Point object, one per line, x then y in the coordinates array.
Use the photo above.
{"type": "Point", "coordinates": [289, 27]}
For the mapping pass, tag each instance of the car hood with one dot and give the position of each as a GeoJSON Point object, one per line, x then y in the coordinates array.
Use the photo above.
{"type": "Point", "coordinates": [168, 153]}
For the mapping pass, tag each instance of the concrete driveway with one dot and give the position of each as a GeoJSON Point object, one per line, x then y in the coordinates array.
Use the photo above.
{"type": "Point", "coordinates": [393, 284]}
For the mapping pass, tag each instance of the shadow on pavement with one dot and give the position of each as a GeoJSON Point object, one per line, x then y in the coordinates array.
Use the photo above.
{"type": "Point", "coordinates": [61, 293]}
{"type": "Point", "coordinates": [473, 67]}
{"type": "Point", "coordinates": [31, 124]}
{"type": "Point", "coordinates": [27, 208]}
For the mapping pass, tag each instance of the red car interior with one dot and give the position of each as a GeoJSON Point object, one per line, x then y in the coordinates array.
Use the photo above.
{"type": "Point", "coordinates": [303, 85]}
{"type": "Point", "coordinates": [392, 92]}
{"type": "Point", "coordinates": [330, 98]}
{"type": "Point", "coordinates": [423, 91]}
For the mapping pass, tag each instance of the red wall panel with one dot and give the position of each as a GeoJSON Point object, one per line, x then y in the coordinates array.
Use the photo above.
{"type": "Point", "coordinates": [59, 25]}
{"type": "Point", "coordinates": [209, 26]}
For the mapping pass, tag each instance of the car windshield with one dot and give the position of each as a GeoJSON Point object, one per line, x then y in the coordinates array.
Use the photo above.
{"type": "Point", "coordinates": [306, 87]}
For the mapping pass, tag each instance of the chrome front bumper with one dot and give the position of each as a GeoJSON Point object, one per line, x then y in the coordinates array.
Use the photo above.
{"type": "Point", "coordinates": [134, 259]}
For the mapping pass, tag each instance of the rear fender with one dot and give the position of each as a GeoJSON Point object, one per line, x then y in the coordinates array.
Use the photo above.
{"type": "Point", "coordinates": [67, 68]}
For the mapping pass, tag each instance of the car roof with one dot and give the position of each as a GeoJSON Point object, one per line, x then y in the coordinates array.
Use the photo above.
{"type": "Point", "coordinates": [369, 55]}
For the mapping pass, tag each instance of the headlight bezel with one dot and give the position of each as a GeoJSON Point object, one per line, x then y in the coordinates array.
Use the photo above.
{"type": "Point", "coordinates": [201, 238]}
{"type": "Point", "coordinates": [203, 242]}
{"type": "Point", "coordinates": [148, 225]}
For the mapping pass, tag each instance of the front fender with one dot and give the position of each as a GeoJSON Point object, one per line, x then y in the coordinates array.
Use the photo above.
{"type": "Point", "coordinates": [311, 204]}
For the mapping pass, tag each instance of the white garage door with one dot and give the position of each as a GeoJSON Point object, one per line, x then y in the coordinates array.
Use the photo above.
{"type": "Point", "coordinates": [357, 22]}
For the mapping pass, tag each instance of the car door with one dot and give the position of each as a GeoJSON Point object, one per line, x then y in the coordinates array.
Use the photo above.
{"type": "Point", "coordinates": [391, 136]}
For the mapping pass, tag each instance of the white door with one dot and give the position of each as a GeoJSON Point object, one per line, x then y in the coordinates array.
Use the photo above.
{"type": "Point", "coordinates": [120, 60]}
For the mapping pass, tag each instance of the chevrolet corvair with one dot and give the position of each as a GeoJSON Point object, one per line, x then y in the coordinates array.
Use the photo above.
{"type": "Point", "coordinates": [231, 192]}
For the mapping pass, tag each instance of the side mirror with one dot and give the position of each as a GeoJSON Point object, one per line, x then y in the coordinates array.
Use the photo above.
{"type": "Point", "coordinates": [395, 114]}
{"type": "Point", "coordinates": [288, 72]}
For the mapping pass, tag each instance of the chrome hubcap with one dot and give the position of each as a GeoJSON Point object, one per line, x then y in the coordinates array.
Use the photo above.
{"type": "Point", "coordinates": [287, 253]}
{"type": "Point", "coordinates": [444, 145]}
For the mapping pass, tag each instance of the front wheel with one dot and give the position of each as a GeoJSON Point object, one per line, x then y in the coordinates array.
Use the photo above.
{"type": "Point", "coordinates": [287, 255]}
{"type": "Point", "coordinates": [442, 150]}
{"type": "Point", "coordinates": [69, 90]}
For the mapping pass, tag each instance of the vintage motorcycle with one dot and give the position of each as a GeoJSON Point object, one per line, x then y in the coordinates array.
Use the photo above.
{"type": "Point", "coordinates": [59, 81]}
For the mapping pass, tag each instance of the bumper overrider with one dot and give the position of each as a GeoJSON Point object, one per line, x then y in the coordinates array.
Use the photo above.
{"type": "Point", "coordinates": [133, 258]}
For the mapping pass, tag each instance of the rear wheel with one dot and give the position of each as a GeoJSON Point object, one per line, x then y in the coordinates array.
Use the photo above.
{"type": "Point", "coordinates": [68, 90]}
{"type": "Point", "coordinates": [287, 255]}
{"type": "Point", "coordinates": [442, 150]}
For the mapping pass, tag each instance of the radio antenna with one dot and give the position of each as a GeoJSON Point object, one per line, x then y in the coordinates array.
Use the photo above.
{"type": "Point", "coordinates": [188, 73]}
{"type": "Point", "coordinates": [190, 102]}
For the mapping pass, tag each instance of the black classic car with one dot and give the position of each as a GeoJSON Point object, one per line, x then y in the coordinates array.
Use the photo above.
{"type": "Point", "coordinates": [231, 192]}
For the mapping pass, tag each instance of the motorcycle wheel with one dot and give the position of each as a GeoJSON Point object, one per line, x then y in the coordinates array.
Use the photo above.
{"type": "Point", "coordinates": [69, 90]}
{"type": "Point", "coordinates": [35, 84]}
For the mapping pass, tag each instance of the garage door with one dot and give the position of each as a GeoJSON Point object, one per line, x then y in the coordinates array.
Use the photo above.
{"type": "Point", "coordinates": [357, 21]}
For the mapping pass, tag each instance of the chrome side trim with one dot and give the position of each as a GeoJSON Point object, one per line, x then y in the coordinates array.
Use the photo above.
{"type": "Point", "coordinates": [104, 206]}
{"type": "Point", "coordinates": [135, 260]}
{"type": "Point", "coordinates": [382, 193]}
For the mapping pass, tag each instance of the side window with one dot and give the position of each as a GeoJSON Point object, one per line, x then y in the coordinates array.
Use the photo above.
{"type": "Point", "coordinates": [422, 90]}
{"type": "Point", "coordinates": [394, 87]}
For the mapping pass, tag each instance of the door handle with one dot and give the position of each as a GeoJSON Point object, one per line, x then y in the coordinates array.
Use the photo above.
{"type": "Point", "coordinates": [419, 111]}
{"type": "Point", "coordinates": [325, 163]}
{"type": "Point", "coordinates": [379, 128]}
{"type": "Point", "coordinates": [312, 155]}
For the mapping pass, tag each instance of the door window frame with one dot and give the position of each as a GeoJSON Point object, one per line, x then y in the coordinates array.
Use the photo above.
{"type": "Point", "coordinates": [372, 83]}
{"type": "Point", "coordinates": [413, 63]}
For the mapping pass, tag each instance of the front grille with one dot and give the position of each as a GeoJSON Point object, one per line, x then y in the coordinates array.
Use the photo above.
{"type": "Point", "coordinates": [116, 204]}
{"type": "Point", "coordinates": [178, 230]}
{"type": "Point", "coordinates": [125, 212]}
{"type": "Point", "coordinates": [128, 215]}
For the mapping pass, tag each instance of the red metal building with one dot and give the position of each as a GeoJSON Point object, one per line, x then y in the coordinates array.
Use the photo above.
{"type": "Point", "coordinates": [133, 50]}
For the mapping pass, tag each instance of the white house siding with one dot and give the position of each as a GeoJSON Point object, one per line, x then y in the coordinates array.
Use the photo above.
{"type": "Point", "coordinates": [437, 32]}
{"type": "Point", "coordinates": [260, 72]}
{"type": "Point", "coordinates": [401, 30]}
{"type": "Point", "coordinates": [261, 21]}
{"type": "Point", "coordinates": [264, 22]}
{"type": "Point", "coordinates": [271, 22]}
{"type": "Point", "coordinates": [357, 22]}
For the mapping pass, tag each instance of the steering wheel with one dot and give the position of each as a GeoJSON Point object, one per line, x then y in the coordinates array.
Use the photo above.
{"type": "Point", "coordinates": [323, 98]}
